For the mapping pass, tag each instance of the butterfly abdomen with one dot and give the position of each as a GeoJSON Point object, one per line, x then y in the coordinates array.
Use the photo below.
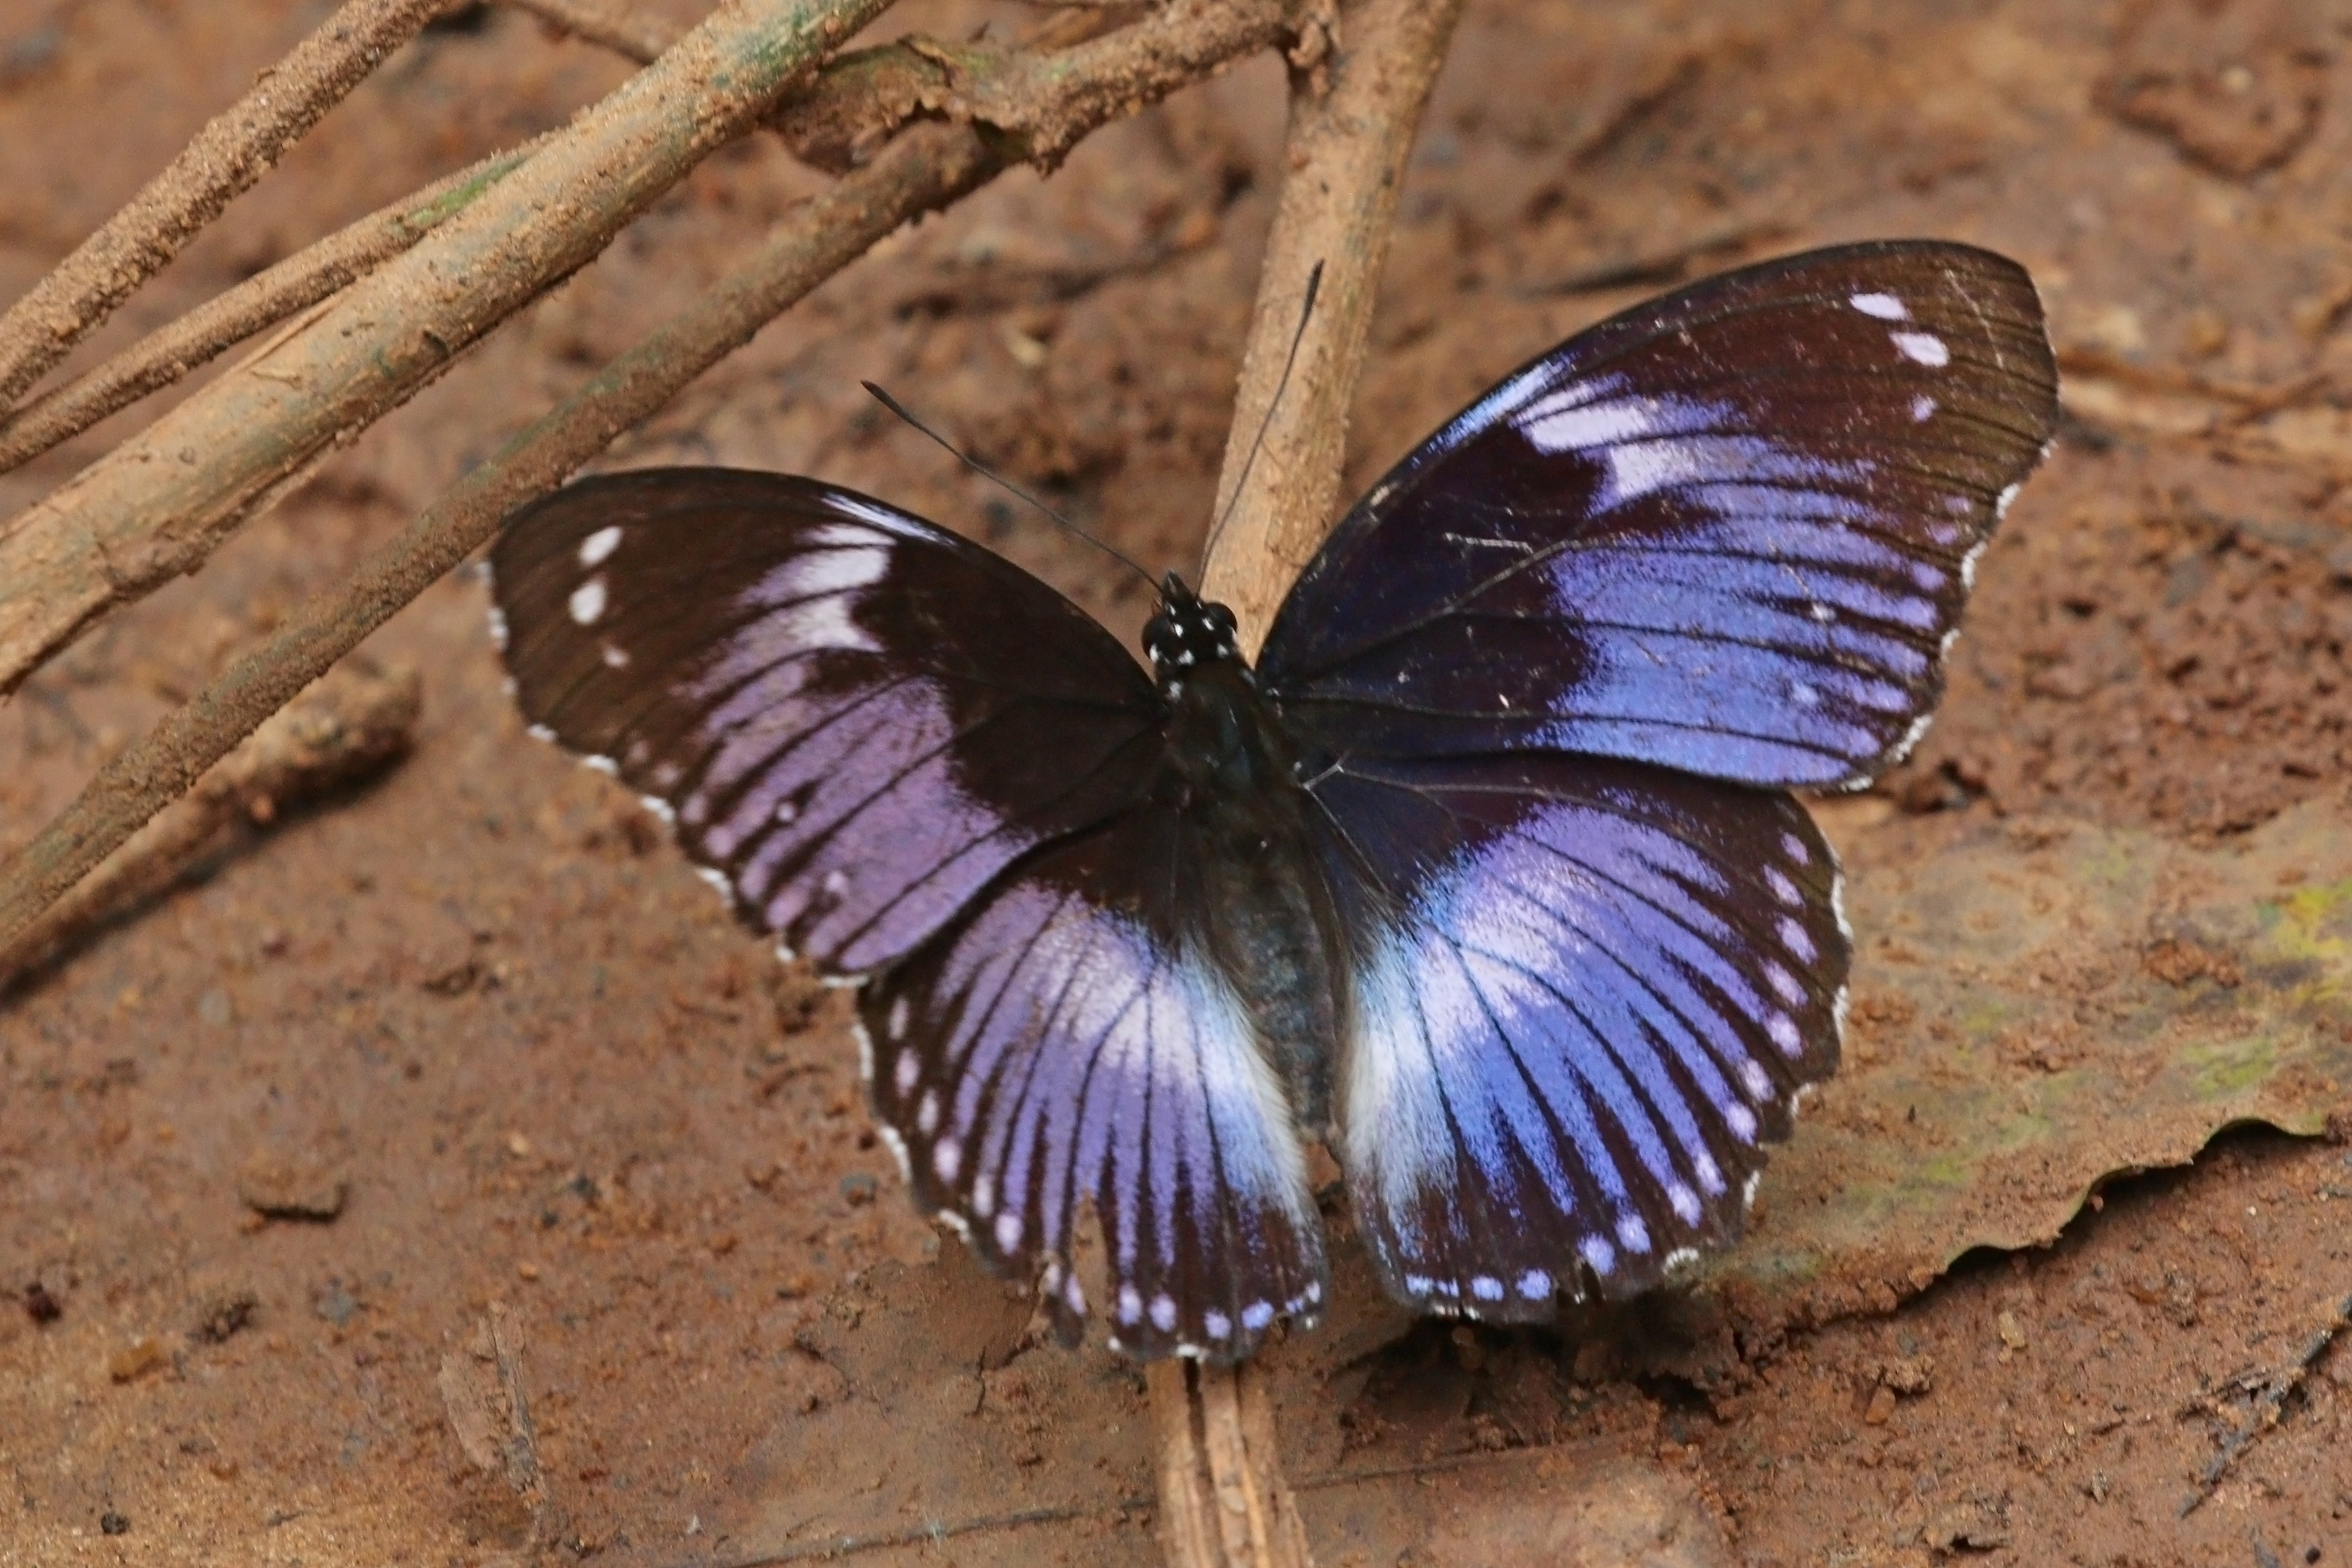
{"type": "Point", "coordinates": [1259, 900]}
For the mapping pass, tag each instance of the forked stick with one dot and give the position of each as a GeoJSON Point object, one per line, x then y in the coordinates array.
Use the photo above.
{"type": "Point", "coordinates": [1223, 1502]}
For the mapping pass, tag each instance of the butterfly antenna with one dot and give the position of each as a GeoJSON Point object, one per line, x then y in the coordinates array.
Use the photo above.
{"type": "Point", "coordinates": [985, 472]}
{"type": "Point", "coordinates": [1305, 309]}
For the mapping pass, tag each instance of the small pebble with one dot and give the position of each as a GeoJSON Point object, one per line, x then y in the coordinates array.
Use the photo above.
{"type": "Point", "coordinates": [2012, 1332]}
{"type": "Point", "coordinates": [528, 1269]}
{"type": "Point", "coordinates": [136, 1360]}
{"type": "Point", "coordinates": [40, 1306]}
{"type": "Point", "coordinates": [857, 1187]}
{"type": "Point", "coordinates": [278, 1186]}
{"type": "Point", "coordinates": [114, 1523]}
{"type": "Point", "coordinates": [1880, 1408]}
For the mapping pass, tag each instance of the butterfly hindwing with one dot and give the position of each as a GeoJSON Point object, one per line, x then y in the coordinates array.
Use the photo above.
{"type": "Point", "coordinates": [1071, 1043]}
{"type": "Point", "coordinates": [1585, 992]}
{"type": "Point", "coordinates": [854, 719]}
{"type": "Point", "coordinates": [1730, 530]}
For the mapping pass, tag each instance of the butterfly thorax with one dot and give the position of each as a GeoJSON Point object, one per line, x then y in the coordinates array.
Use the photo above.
{"type": "Point", "coordinates": [1265, 910]}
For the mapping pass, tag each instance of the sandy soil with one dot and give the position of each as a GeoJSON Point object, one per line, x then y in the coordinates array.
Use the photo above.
{"type": "Point", "coordinates": [481, 1013]}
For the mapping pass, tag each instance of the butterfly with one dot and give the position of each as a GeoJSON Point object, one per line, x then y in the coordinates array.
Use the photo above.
{"type": "Point", "coordinates": [1487, 874]}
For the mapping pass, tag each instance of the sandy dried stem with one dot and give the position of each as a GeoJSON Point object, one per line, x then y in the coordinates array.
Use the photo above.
{"type": "Point", "coordinates": [156, 507]}
{"type": "Point", "coordinates": [236, 149]}
{"type": "Point", "coordinates": [1360, 81]}
{"type": "Point", "coordinates": [1348, 150]}
{"type": "Point", "coordinates": [626, 34]}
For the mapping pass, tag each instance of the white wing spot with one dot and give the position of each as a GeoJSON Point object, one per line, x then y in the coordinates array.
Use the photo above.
{"type": "Point", "coordinates": [598, 547]}
{"type": "Point", "coordinates": [1794, 848]}
{"type": "Point", "coordinates": [1754, 1079]}
{"type": "Point", "coordinates": [1886, 307]}
{"type": "Point", "coordinates": [718, 883]}
{"type": "Point", "coordinates": [2001, 503]}
{"type": "Point", "coordinates": [1073, 1296]}
{"type": "Point", "coordinates": [587, 602]}
{"type": "Point", "coordinates": [1130, 1304]}
{"type": "Point", "coordinates": [1599, 1253]}
{"type": "Point", "coordinates": [1923, 348]}
{"type": "Point", "coordinates": [1783, 1030]}
{"type": "Point", "coordinates": [615, 657]}
{"type": "Point", "coordinates": [1742, 1121]}
{"type": "Point", "coordinates": [1163, 1313]}
{"type": "Point", "coordinates": [984, 1195]}
{"type": "Point", "coordinates": [1487, 1288]}
{"type": "Point", "coordinates": [1632, 1233]}
{"type": "Point", "coordinates": [1923, 408]}
{"type": "Point", "coordinates": [897, 1024]}
{"type": "Point", "coordinates": [1008, 1232]}
{"type": "Point", "coordinates": [1797, 939]}
{"type": "Point", "coordinates": [1257, 1315]}
{"type": "Point", "coordinates": [1782, 888]}
{"type": "Point", "coordinates": [498, 628]}
{"type": "Point", "coordinates": [1535, 1284]}
{"type": "Point", "coordinates": [946, 1159]}
{"type": "Point", "coordinates": [1748, 1189]}
{"type": "Point", "coordinates": [927, 1115]}
{"type": "Point", "coordinates": [906, 1071]}
{"type": "Point", "coordinates": [1685, 1202]}
{"type": "Point", "coordinates": [786, 812]}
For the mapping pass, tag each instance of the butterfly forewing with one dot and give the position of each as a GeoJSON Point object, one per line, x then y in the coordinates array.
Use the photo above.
{"type": "Point", "coordinates": [1730, 532]}
{"type": "Point", "coordinates": [856, 719]}
{"type": "Point", "coordinates": [1585, 992]}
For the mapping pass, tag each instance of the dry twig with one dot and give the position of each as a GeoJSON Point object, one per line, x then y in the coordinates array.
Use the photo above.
{"type": "Point", "coordinates": [345, 729]}
{"type": "Point", "coordinates": [166, 354]}
{"type": "Point", "coordinates": [1347, 151]}
{"type": "Point", "coordinates": [2276, 1389]}
{"type": "Point", "coordinates": [1223, 1498]}
{"type": "Point", "coordinates": [627, 35]}
{"type": "Point", "coordinates": [925, 168]}
{"type": "Point", "coordinates": [857, 101]}
{"type": "Point", "coordinates": [228, 156]}
{"type": "Point", "coordinates": [156, 507]}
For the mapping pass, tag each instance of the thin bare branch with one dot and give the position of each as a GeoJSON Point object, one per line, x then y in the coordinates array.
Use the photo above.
{"type": "Point", "coordinates": [856, 102]}
{"type": "Point", "coordinates": [226, 157]}
{"type": "Point", "coordinates": [928, 167]}
{"type": "Point", "coordinates": [626, 34]}
{"type": "Point", "coordinates": [1348, 150]}
{"type": "Point", "coordinates": [294, 285]}
{"type": "Point", "coordinates": [1358, 93]}
{"type": "Point", "coordinates": [157, 505]}
{"type": "Point", "coordinates": [349, 726]}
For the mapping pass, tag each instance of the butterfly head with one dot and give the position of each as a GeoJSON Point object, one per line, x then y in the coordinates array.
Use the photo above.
{"type": "Point", "coordinates": [1188, 633]}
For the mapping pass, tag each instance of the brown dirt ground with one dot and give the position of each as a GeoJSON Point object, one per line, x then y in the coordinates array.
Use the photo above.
{"type": "Point", "coordinates": [553, 1076]}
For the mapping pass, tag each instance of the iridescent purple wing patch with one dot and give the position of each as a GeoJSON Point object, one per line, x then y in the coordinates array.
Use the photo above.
{"type": "Point", "coordinates": [1731, 530]}
{"type": "Point", "coordinates": [1585, 993]}
{"type": "Point", "coordinates": [1073, 1044]}
{"type": "Point", "coordinates": [814, 687]}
